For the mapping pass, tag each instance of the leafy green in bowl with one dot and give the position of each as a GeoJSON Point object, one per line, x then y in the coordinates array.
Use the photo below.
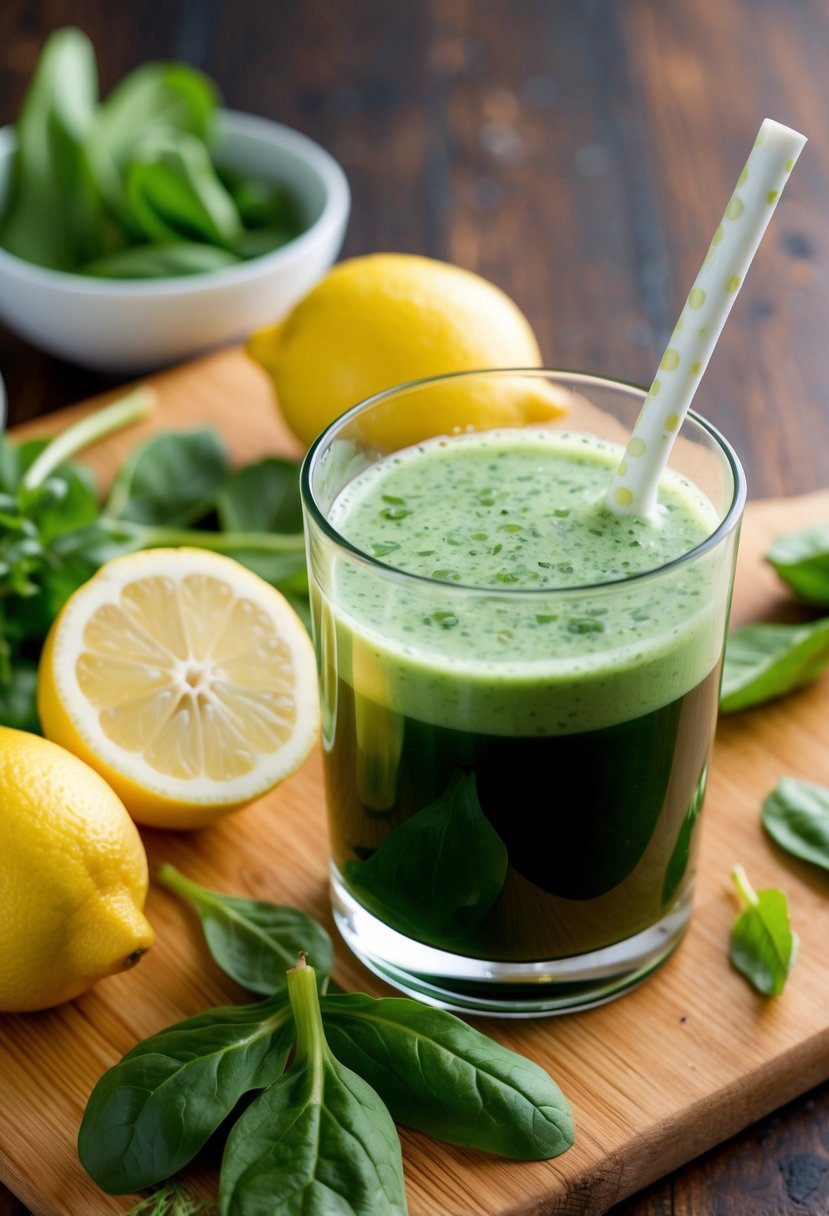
{"type": "Point", "coordinates": [154, 226]}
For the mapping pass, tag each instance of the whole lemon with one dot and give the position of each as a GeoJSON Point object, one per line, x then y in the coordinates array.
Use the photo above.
{"type": "Point", "coordinates": [378, 321]}
{"type": "Point", "coordinates": [74, 876]}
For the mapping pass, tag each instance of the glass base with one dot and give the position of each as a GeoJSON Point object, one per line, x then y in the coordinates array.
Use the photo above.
{"type": "Point", "coordinates": [499, 989]}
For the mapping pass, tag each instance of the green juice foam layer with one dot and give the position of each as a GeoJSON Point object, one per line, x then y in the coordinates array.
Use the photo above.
{"type": "Point", "coordinates": [502, 631]}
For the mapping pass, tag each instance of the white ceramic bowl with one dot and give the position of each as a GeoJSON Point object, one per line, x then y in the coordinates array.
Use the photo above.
{"type": "Point", "coordinates": [134, 326]}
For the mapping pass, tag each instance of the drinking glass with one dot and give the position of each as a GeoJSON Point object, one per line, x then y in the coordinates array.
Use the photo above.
{"type": "Point", "coordinates": [514, 837]}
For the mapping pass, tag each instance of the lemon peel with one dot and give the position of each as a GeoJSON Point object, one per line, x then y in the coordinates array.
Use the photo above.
{"type": "Point", "coordinates": [385, 319]}
{"type": "Point", "coordinates": [74, 877]}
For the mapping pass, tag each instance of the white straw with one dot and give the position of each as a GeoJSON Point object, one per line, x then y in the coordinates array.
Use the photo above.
{"type": "Point", "coordinates": [633, 489]}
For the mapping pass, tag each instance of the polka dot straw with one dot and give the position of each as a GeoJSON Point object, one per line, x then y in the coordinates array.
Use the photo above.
{"type": "Point", "coordinates": [634, 486]}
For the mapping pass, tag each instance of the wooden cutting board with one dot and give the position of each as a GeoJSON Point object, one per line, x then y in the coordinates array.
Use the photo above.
{"type": "Point", "coordinates": [654, 1079]}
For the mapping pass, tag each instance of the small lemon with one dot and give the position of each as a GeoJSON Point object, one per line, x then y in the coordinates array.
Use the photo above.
{"type": "Point", "coordinates": [185, 680]}
{"type": "Point", "coordinates": [74, 876]}
{"type": "Point", "coordinates": [378, 321]}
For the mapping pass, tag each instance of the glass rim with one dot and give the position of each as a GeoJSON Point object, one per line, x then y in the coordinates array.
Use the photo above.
{"type": "Point", "coordinates": [727, 524]}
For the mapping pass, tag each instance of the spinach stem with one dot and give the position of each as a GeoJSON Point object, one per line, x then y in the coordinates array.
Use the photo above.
{"type": "Point", "coordinates": [311, 1045]}
{"type": "Point", "coordinates": [744, 887]}
{"type": "Point", "coordinates": [132, 408]}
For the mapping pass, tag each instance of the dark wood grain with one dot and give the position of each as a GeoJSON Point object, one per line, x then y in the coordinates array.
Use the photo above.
{"type": "Point", "coordinates": [579, 153]}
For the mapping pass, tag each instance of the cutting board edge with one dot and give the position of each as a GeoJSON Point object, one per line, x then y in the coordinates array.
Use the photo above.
{"type": "Point", "coordinates": [636, 1164]}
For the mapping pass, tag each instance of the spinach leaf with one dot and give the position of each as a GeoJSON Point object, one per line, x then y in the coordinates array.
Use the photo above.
{"type": "Point", "coordinates": [796, 815]}
{"type": "Point", "coordinates": [439, 1075]}
{"type": "Point", "coordinates": [172, 192]}
{"type": "Point", "coordinates": [171, 479]}
{"type": "Point", "coordinates": [763, 946]}
{"type": "Point", "coordinates": [54, 217]}
{"type": "Point", "coordinates": [438, 874]}
{"type": "Point", "coordinates": [766, 661]}
{"type": "Point", "coordinates": [261, 204]}
{"type": "Point", "coordinates": [317, 1140]}
{"type": "Point", "coordinates": [151, 1113]}
{"type": "Point", "coordinates": [254, 942]}
{"type": "Point", "coordinates": [156, 95]}
{"type": "Point", "coordinates": [802, 560]}
{"type": "Point", "coordinates": [262, 497]}
{"type": "Point", "coordinates": [162, 260]}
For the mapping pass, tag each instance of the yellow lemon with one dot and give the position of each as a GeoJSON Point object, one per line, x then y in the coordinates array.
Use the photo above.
{"type": "Point", "coordinates": [382, 320]}
{"type": "Point", "coordinates": [74, 876]}
{"type": "Point", "coordinates": [185, 680]}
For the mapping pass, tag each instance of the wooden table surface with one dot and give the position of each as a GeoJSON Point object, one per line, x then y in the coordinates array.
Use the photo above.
{"type": "Point", "coordinates": [578, 153]}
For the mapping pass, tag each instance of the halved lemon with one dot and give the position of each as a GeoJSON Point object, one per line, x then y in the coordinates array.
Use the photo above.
{"type": "Point", "coordinates": [185, 680]}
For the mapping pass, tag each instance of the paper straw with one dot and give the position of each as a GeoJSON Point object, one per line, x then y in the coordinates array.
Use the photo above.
{"type": "Point", "coordinates": [633, 489]}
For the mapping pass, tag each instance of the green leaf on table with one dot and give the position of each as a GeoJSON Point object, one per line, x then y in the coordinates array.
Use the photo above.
{"type": "Point", "coordinates": [151, 1113]}
{"type": "Point", "coordinates": [763, 946]}
{"type": "Point", "coordinates": [802, 560]}
{"type": "Point", "coordinates": [437, 875]}
{"type": "Point", "coordinates": [440, 1076]}
{"type": "Point", "coordinates": [54, 217]}
{"type": "Point", "coordinates": [765, 661]}
{"type": "Point", "coordinates": [160, 260]}
{"type": "Point", "coordinates": [796, 815]}
{"type": "Point", "coordinates": [65, 502]}
{"type": "Point", "coordinates": [319, 1140]}
{"type": "Point", "coordinates": [253, 941]}
{"type": "Point", "coordinates": [262, 497]}
{"type": "Point", "coordinates": [172, 479]}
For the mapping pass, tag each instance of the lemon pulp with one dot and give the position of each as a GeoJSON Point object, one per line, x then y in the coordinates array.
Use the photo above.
{"type": "Point", "coordinates": [184, 675]}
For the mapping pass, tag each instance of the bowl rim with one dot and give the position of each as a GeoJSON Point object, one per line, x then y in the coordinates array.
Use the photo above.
{"type": "Point", "coordinates": [230, 122]}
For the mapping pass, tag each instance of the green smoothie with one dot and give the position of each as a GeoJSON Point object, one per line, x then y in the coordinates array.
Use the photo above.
{"type": "Point", "coordinates": [485, 721]}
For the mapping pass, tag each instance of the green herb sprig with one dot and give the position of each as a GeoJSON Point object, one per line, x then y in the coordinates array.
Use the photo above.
{"type": "Point", "coordinates": [175, 489]}
{"type": "Point", "coordinates": [359, 1063]}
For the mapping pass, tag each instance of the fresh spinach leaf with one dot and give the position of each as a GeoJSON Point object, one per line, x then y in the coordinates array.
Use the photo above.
{"type": "Point", "coordinates": [162, 260]}
{"type": "Point", "coordinates": [763, 946]}
{"type": "Point", "coordinates": [171, 480]}
{"type": "Point", "coordinates": [317, 1140]}
{"type": "Point", "coordinates": [437, 875]}
{"type": "Point", "coordinates": [54, 217]}
{"type": "Point", "coordinates": [766, 661]}
{"type": "Point", "coordinates": [796, 815]}
{"type": "Point", "coordinates": [156, 95]}
{"type": "Point", "coordinates": [254, 942]}
{"type": "Point", "coordinates": [151, 1113]}
{"type": "Point", "coordinates": [802, 560]}
{"type": "Point", "coordinates": [262, 497]}
{"type": "Point", "coordinates": [440, 1076]}
{"type": "Point", "coordinates": [172, 192]}
{"type": "Point", "coordinates": [260, 203]}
